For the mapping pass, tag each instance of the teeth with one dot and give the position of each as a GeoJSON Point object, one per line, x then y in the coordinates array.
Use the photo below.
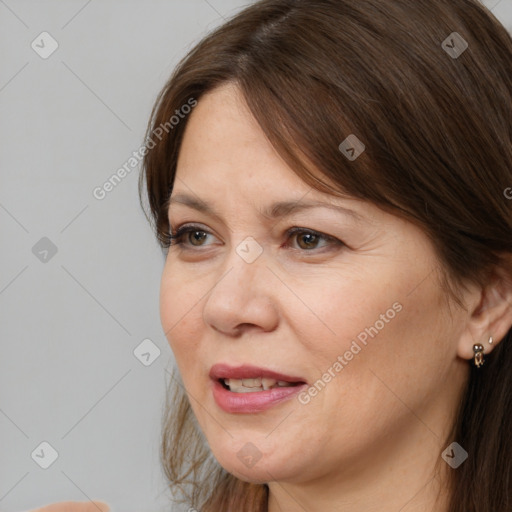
{"type": "Point", "coordinates": [268, 383]}
{"type": "Point", "coordinates": [253, 385]}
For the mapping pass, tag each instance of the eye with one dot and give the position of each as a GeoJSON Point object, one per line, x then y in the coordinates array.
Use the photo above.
{"type": "Point", "coordinates": [307, 239]}
{"type": "Point", "coordinates": [198, 236]}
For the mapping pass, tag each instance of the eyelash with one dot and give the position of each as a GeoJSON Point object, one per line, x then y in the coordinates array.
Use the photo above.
{"type": "Point", "coordinates": [176, 237]}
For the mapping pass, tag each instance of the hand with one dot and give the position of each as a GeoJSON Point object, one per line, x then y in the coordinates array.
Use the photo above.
{"type": "Point", "coordinates": [75, 506]}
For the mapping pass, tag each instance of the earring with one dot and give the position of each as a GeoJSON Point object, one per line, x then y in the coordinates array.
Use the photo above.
{"type": "Point", "coordinates": [478, 349]}
{"type": "Point", "coordinates": [490, 340]}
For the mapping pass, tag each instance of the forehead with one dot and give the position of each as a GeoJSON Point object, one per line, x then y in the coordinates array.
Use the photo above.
{"type": "Point", "coordinates": [273, 211]}
{"type": "Point", "coordinates": [224, 146]}
{"type": "Point", "coordinates": [226, 155]}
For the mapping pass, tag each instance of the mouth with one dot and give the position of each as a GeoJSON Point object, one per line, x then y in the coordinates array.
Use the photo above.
{"type": "Point", "coordinates": [249, 379]}
{"type": "Point", "coordinates": [250, 389]}
{"type": "Point", "coordinates": [255, 384]}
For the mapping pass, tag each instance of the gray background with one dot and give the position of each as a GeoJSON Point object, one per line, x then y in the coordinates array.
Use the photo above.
{"type": "Point", "coordinates": [70, 321]}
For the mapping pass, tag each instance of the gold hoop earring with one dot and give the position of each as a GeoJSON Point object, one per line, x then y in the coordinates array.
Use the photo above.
{"type": "Point", "coordinates": [478, 349]}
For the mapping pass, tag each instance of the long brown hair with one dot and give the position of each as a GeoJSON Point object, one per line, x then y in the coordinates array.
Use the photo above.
{"type": "Point", "coordinates": [437, 129]}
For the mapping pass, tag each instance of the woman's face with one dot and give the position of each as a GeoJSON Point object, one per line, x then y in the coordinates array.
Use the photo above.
{"type": "Point", "coordinates": [350, 305]}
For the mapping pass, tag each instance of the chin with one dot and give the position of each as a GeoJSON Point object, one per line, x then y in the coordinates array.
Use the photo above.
{"type": "Point", "coordinates": [250, 464]}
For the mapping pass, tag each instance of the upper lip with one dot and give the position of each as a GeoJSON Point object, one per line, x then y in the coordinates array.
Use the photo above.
{"type": "Point", "coordinates": [247, 371]}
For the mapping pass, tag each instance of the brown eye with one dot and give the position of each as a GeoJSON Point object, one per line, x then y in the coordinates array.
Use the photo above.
{"type": "Point", "coordinates": [197, 236]}
{"type": "Point", "coordinates": [188, 236]}
{"type": "Point", "coordinates": [308, 240]}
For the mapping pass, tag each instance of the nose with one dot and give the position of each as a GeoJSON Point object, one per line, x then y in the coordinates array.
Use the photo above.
{"type": "Point", "coordinates": [242, 299]}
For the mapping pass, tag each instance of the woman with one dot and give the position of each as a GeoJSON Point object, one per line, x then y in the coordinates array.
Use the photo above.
{"type": "Point", "coordinates": [330, 181]}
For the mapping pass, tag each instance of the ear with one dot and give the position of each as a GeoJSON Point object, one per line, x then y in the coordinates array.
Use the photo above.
{"type": "Point", "coordinates": [490, 314]}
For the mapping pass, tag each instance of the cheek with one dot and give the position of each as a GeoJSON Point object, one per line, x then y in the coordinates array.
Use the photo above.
{"type": "Point", "coordinates": [375, 328]}
{"type": "Point", "coordinates": [401, 353]}
{"type": "Point", "coordinates": [347, 310]}
{"type": "Point", "coordinates": [180, 314]}
{"type": "Point", "coordinates": [389, 365]}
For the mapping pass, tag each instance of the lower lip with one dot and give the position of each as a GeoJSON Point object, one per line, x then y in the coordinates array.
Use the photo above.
{"type": "Point", "coordinates": [254, 401]}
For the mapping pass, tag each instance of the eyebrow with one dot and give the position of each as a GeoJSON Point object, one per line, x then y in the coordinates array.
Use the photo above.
{"type": "Point", "coordinates": [274, 211]}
